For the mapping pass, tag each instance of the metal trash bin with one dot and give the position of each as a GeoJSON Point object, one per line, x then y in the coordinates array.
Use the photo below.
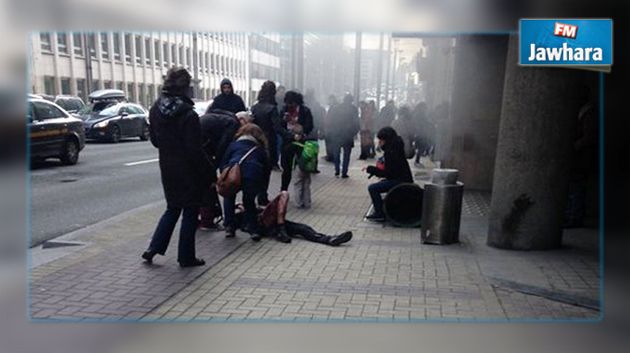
{"type": "Point", "coordinates": [442, 207]}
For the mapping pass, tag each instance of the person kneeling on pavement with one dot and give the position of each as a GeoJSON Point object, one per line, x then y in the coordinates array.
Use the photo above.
{"type": "Point", "coordinates": [393, 169]}
{"type": "Point", "coordinates": [272, 222]}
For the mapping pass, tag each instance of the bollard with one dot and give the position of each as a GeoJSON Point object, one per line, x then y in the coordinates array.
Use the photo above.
{"type": "Point", "coordinates": [442, 207]}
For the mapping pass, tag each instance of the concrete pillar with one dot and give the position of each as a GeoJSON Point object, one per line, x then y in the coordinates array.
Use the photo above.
{"type": "Point", "coordinates": [538, 122]}
{"type": "Point", "coordinates": [476, 107]}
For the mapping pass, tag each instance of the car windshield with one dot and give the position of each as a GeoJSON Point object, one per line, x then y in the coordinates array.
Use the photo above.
{"type": "Point", "coordinates": [102, 108]}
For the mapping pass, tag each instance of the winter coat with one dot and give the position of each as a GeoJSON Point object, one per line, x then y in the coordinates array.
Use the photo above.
{"type": "Point", "coordinates": [396, 166]}
{"type": "Point", "coordinates": [305, 119]}
{"type": "Point", "coordinates": [265, 114]}
{"type": "Point", "coordinates": [343, 124]}
{"type": "Point", "coordinates": [231, 102]}
{"type": "Point", "coordinates": [176, 132]}
{"type": "Point", "coordinates": [255, 167]}
{"type": "Point", "coordinates": [318, 113]}
{"type": "Point", "coordinates": [386, 116]}
{"type": "Point", "coordinates": [217, 132]}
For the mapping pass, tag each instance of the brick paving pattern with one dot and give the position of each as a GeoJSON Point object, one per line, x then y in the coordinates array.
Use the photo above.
{"type": "Point", "coordinates": [383, 274]}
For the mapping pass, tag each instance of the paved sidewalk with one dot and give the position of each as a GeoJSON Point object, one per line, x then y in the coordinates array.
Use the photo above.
{"type": "Point", "coordinates": [383, 274]}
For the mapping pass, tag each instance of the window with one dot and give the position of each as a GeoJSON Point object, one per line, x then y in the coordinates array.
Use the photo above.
{"type": "Point", "coordinates": [62, 43]}
{"type": "Point", "coordinates": [130, 91]}
{"type": "Point", "coordinates": [96, 84]}
{"type": "Point", "coordinates": [44, 39]}
{"type": "Point", "coordinates": [188, 59]}
{"type": "Point", "coordinates": [147, 51]}
{"type": "Point", "coordinates": [49, 85]}
{"type": "Point", "coordinates": [158, 56]}
{"type": "Point", "coordinates": [150, 95]}
{"type": "Point", "coordinates": [92, 45]}
{"type": "Point", "coordinates": [47, 111]}
{"type": "Point", "coordinates": [167, 57]}
{"type": "Point", "coordinates": [135, 109]}
{"type": "Point", "coordinates": [77, 39]}
{"type": "Point", "coordinates": [138, 50]}
{"type": "Point", "coordinates": [143, 93]}
{"type": "Point", "coordinates": [181, 55]}
{"type": "Point", "coordinates": [116, 46]}
{"type": "Point", "coordinates": [119, 85]}
{"type": "Point", "coordinates": [81, 89]}
{"type": "Point", "coordinates": [128, 53]}
{"type": "Point", "coordinates": [65, 86]}
{"type": "Point", "coordinates": [108, 85]}
{"type": "Point", "coordinates": [104, 46]}
{"type": "Point", "coordinates": [174, 54]}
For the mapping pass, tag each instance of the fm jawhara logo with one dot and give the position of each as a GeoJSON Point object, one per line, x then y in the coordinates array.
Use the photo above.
{"type": "Point", "coordinates": [566, 42]}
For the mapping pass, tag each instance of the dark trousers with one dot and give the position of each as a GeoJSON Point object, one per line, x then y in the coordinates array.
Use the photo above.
{"type": "Point", "coordinates": [376, 190]}
{"type": "Point", "coordinates": [346, 158]}
{"type": "Point", "coordinates": [208, 213]}
{"type": "Point", "coordinates": [305, 231]}
{"type": "Point", "coordinates": [289, 152]}
{"type": "Point", "coordinates": [164, 231]}
{"type": "Point", "coordinates": [250, 190]}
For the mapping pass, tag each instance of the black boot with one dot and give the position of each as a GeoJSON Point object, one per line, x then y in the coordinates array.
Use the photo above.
{"type": "Point", "coordinates": [192, 263]}
{"type": "Point", "coordinates": [340, 239]}
{"type": "Point", "coordinates": [282, 235]}
{"type": "Point", "coordinates": [148, 255]}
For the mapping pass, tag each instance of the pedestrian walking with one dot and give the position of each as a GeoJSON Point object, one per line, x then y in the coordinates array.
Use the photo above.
{"type": "Point", "coordinates": [367, 125]}
{"type": "Point", "coordinates": [408, 132]}
{"type": "Point", "coordinates": [175, 130]}
{"type": "Point", "coordinates": [249, 150]}
{"type": "Point", "coordinates": [386, 115]}
{"type": "Point", "coordinates": [393, 170]}
{"type": "Point", "coordinates": [343, 127]}
{"type": "Point", "coordinates": [330, 154]}
{"type": "Point", "coordinates": [227, 99]}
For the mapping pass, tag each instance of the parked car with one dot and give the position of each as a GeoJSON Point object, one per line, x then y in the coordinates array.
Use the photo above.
{"type": "Point", "coordinates": [71, 104]}
{"type": "Point", "coordinates": [53, 132]}
{"type": "Point", "coordinates": [113, 121]}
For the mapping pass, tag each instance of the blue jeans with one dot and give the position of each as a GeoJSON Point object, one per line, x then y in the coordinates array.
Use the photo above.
{"type": "Point", "coordinates": [376, 190]}
{"type": "Point", "coordinates": [164, 231]}
{"type": "Point", "coordinates": [250, 190]}
{"type": "Point", "coordinates": [346, 158]}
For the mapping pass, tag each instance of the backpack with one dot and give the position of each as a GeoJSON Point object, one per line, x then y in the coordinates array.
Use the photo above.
{"type": "Point", "coordinates": [307, 160]}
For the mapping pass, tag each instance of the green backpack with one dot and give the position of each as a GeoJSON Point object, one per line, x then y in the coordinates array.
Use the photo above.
{"type": "Point", "coordinates": [307, 160]}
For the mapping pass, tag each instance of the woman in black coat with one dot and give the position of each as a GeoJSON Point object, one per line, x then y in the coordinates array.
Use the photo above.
{"type": "Point", "coordinates": [175, 131]}
{"type": "Point", "coordinates": [394, 170]}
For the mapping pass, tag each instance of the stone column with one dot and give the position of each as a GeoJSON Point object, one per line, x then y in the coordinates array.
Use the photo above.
{"type": "Point", "coordinates": [538, 125]}
{"type": "Point", "coordinates": [476, 108]}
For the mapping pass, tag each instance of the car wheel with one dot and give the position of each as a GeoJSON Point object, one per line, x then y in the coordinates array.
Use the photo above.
{"type": "Point", "coordinates": [144, 136]}
{"type": "Point", "coordinates": [114, 135]}
{"type": "Point", "coordinates": [70, 153]}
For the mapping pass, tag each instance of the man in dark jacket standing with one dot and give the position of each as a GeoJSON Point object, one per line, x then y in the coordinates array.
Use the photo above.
{"type": "Point", "coordinates": [176, 132]}
{"type": "Point", "coordinates": [343, 126]}
{"type": "Point", "coordinates": [228, 100]}
{"type": "Point", "coordinates": [265, 113]}
{"type": "Point", "coordinates": [394, 170]}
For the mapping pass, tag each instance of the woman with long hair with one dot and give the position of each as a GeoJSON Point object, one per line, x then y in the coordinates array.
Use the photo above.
{"type": "Point", "coordinates": [251, 147]}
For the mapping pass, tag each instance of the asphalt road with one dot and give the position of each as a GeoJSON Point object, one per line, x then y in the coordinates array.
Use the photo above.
{"type": "Point", "coordinates": [103, 184]}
